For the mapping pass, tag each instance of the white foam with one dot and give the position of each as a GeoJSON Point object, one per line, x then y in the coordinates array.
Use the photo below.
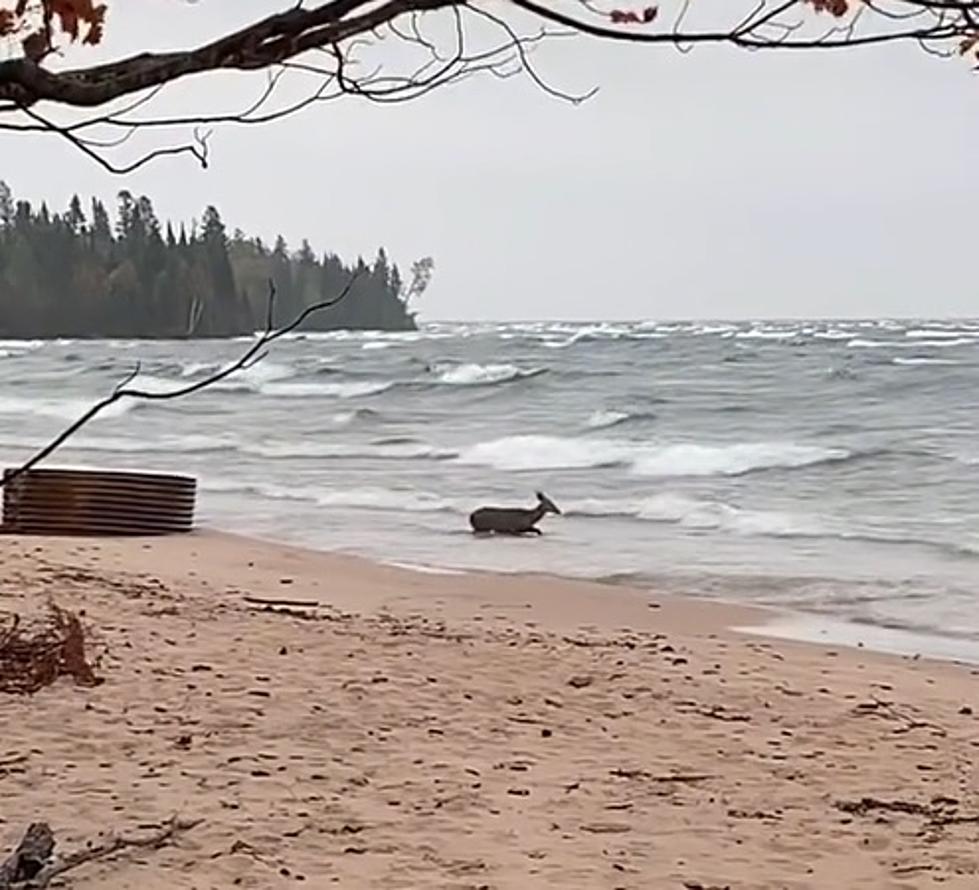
{"type": "Point", "coordinates": [192, 369]}
{"type": "Point", "coordinates": [423, 569]}
{"type": "Point", "coordinates": [61, 409]}
{"type": "Point", "coordinates": [603, 419]}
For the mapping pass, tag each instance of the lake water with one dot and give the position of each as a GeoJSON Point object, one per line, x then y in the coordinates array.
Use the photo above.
{"type": "Point", "coordinates": [829, 467]}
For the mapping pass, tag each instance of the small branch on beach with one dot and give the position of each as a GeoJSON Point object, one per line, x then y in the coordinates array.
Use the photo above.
{"type": "Point", "coordinates": [719, 712]}
{"type": "Point", "coordinates": [33, 658]}
{"type": "Point", "coordinates": [621, 773]}
{"type": "Point", "coordinates": [888, 711]}
{"type": "Point", "coordinates": [33, 865]}
{"type": "Point", "coordinates": [939, 813]}
{"type": "Point", "coordinates": [291, 604]}
{"type": "Point", "coordinates": [250, 357]}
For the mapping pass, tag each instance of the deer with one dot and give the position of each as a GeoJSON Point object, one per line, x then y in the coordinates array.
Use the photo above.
{"type": "Point", "coordinates": [512, 520]}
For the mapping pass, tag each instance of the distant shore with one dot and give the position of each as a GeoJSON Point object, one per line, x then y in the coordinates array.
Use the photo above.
{"type": "Point", "coordinates": [342, 722]}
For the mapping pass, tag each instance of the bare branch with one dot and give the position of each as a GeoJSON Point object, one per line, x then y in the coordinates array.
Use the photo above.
{"type": "Point", "coordinates": [340, 29]}
{"type": "Point", "coordinates": [255, 353]}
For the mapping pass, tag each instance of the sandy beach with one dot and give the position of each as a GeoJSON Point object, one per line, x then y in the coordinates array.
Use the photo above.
{"type": "Point", "coordinates": [395, 728]}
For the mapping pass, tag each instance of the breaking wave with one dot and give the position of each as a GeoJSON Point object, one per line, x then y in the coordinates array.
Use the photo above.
{"type": "Point", "coordinates": [367, 498]}
{"type": "Point", "coordinates": [605, 419]}
{"type": "Point", "coordinates": [922, 360]}
{"type": "Point", "coordinates": [712, 515]}
{"type": "Point", "coordinates": [480, 375]}
{"type": "Point", "coordinates": [535, 452]}
{"type": "Point", "coordinates": [349, 390]}
{"type": "Point", "coordinates": [59, 409]}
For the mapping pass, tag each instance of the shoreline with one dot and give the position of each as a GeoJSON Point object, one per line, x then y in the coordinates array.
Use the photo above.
{"type": "Point", "coordinates": [340, 722]}
{"type": "Point", "coordinates": [751, 619]}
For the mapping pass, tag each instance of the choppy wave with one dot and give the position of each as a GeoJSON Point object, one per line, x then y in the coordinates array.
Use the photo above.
{"type": "Point", "coordinates": [18, 346]}
{"type": "Point", "coordinates": [537, 452]}
{"type": "Point", "coordinates": [384, 450]}
{"type": "Point", "coordinates": [700, 514]}
{"type": "Point", "coordinates": [351, 389]}
{"type": "Point", "coordinates": [275, 381]}
{"type": "Point", "coordinates": [471, 374]}
{"type": "Point", "coordinates": [705, 514]}
{"type": "Point", "coordinates": [191, 443]}
{"type": "Point", "coordinates": [193, 369]}
{"type": "Point", "coordinates": [367, 498]}
{"type": "Point", "coordinates": [605, 419]}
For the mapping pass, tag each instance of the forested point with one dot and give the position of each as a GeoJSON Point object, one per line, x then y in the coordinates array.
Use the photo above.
{"type": "Point", "coordinates": [79, 274]}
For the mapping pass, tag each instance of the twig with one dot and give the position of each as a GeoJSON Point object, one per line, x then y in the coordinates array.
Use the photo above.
{"type": "Point", "coordinates": [255, 353]}
{"type": "Point", "coordinates": [620, 773]}
{"type": "Point", "coordinates": [296, 604]}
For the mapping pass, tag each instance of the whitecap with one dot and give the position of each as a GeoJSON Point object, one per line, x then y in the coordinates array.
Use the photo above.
{"type": "Point", "coordinates": [922, 360]}
{"type": "Point", "coordinates": [539, 452]}
{"type": "Point", "coordinates": [692, 459]}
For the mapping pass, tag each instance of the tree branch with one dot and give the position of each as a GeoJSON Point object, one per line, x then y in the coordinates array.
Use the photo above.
{"type": "Point", "coordinates": [254, 354]}
{"type": "Point", "coordinates": [340, 28]}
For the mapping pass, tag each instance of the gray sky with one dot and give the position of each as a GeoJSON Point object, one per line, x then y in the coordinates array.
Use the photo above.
{"type": "Point", "coordinates": [716, 184]}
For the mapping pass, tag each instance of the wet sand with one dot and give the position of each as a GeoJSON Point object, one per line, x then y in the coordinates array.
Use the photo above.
{"type": "Point", "coordinates": [403, 729]}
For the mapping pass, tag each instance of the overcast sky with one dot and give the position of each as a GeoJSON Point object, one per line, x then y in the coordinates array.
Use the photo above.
{"type": "Point", "coordinates": [716, 184]}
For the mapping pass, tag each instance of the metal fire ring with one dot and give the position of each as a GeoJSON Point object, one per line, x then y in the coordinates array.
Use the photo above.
{"type": "Point", "coordinates": [98, 502]}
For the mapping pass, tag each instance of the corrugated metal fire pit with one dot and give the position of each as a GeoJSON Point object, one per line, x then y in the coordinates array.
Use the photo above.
{"type": "Point", "coordinates": [98, 502]}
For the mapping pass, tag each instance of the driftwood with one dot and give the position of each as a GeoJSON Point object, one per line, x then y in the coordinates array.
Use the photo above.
{"type": "Point", "coordinates": [34, 865]}
{"type": "Point", "coordinates": [36, 655]}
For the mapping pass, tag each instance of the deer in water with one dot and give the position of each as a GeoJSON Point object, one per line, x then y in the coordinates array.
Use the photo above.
{"type": "Point", "coordinates": [512, 520]}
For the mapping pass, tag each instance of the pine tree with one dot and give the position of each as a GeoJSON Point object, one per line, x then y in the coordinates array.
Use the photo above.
{"type": "Point", "coordinates": [75, 217]}
{"type": "Point", "coordinates": [6, 206]}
